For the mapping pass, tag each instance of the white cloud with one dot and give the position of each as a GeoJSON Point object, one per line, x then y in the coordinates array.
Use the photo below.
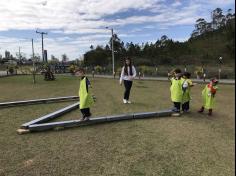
{"type": "Point", "coordinates": [88, 19]}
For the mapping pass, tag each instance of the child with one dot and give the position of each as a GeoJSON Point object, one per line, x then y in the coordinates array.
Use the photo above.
{"type": "Point", "coordinates": [186, 87]}
{"type": "Point", "coordinates": [208, 95]}
{"type": "Point", "coordinates": [86, 100]}
{"type": "Point", "coordinates": [176, 89]}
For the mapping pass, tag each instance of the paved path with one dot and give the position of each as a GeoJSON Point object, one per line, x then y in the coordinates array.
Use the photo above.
{"type": "Point", "coordinates": [3, 73]}
{"type": "Point", "coordinates": [222, 81]}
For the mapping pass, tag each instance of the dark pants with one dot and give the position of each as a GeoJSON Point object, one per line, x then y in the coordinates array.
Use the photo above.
{"type": "Point", "coordinates": [128, 85]}
{"type": "Point", "coordinates": [177, 106]}
{"type": "Point", "coordinates": [185, 106]}
{"type": "Point", "coordinates": [85, 112]}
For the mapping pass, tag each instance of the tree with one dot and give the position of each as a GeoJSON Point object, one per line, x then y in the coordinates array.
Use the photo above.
{"type": "Point", "coordinates": [65, 58]}
{"type": "Point", "coordinates": [218, 19]}
{"type": "Point", "coordinates": [91, 47]}
{"type": "Point", "coordinates": [229, 16]}
{"type": "Point", "coordinates": [54, 60]}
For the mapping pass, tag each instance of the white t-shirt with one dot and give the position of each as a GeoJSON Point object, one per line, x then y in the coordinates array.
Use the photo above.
{"type": "Point", "coordinates": [127, 77]}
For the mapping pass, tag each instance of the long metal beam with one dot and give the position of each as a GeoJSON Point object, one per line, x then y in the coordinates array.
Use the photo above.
{"type": "Point", "coordinates": [51, 116]}
{"type": "Point", "coordinates": [77, 123]}
{"type": "Point", "coordinates": [38, 101]}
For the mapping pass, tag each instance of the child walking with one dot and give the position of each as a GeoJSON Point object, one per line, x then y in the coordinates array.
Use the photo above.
{"type": "Point", "coordinates": [176, 89]}
{"type": "Point", "coordinates": [186, 88]}
{"type": "Point", "coordinates": [86, 100]}
{"type": "Point", "coordinates": [208, 95]}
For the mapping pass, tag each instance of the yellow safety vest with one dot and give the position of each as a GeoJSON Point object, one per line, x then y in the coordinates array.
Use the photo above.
{"type": "Point", "coordinates": [86, 100]}
{"type": "Point", "coordinates": [176, 90]}
{"type": "Point", "coordinates": [208, 98]}
{"type": "Point", "coordinates": [186, 93]}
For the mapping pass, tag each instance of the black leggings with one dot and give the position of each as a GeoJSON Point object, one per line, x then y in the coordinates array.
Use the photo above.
{"type": "Point", "coordinates": [185, 106]}
{"type": "Point", "coordinates": [85, 112]}
{"type": "Point", "coordinates": [128, 85]}
{"type": "Point", "coordinates": [177, 106]}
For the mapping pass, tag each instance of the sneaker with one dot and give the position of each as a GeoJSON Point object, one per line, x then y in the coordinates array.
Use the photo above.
{"type": "Point", "coordinates": [82, 119]}
{"type": "Point", "coordinates": [86, 118]}
{"type": "Point", "coordinates": [125, 101]}
{"type": "Point", "coordinates": [186, 111]}
{"type": "Point", "coordinates": [129, 102]}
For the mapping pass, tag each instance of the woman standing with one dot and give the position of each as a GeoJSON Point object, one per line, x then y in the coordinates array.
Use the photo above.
{"type": "Point", "coordinates": [128, 74]}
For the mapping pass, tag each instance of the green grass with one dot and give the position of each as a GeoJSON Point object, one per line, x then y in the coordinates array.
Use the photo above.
{"type": "Point", "coordinates": [190, 145]}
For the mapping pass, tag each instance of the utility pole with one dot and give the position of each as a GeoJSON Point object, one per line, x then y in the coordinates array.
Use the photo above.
{"type": "Point", "coordinates": [34, 70]}
{"type": "Point", "coordinates": [42, 33]}
{"type": "Point", "coordinates": [19, 55]}
{"type": "Point", "coordinates": [220, 64]}
{"type": "Point", "coordinates": [112, 50]}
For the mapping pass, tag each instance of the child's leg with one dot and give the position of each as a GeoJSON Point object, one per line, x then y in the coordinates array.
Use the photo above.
{"type": "Point", "coordinates": [184, 107]}
{"type": "Point", "coordinates": [201, 110]}
{"type": "Point", "coordinates": [210, 112]}
{"type": "Point", "coordinates": [188, 106]}
{"type": "Point", "coordinates": [177, 106]}
{"type": "Point", "coordinates": [85, 112]}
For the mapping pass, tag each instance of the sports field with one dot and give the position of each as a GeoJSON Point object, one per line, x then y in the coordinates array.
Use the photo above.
{"type": "Point", "coordinates": [191, 145]}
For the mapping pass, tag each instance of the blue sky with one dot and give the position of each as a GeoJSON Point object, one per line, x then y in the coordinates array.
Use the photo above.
{"type": "Point", "coordinates": [74, 25]}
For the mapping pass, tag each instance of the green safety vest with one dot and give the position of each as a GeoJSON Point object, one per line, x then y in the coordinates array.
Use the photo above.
{"type": "Point", "coordinates": [86, 100]}
{"type": "Point", "coordinates": [186, 93]}
{"type": "Point", "coordinates": [176, 90]}
{"type": "Point", "coordinates": [208, 98]}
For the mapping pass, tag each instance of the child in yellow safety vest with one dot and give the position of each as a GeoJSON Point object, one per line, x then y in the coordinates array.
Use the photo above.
{"type": "Point", "coordinates": [86, 100]}
{"type": "Point", "coordinates": [176, 89]}
{"type": "Point", "coordinates": [186, 88]}
{"type": "Point", "coordinates": [208, 95]}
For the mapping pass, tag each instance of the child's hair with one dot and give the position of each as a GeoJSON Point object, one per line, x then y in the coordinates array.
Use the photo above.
{"type": "Point", "coordinates": [187, 75]}
{"type": "Point", "coordinates": [80, 70]}
{"type": "Point", "coordinates": [177, 71]}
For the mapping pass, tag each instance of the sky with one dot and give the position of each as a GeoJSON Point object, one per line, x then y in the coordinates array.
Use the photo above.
{"type": "Point", "coordinates": [74, 25]}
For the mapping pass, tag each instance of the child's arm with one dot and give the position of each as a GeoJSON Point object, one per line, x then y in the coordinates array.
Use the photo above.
{"type": "Point", "coordinates": [88, 83]}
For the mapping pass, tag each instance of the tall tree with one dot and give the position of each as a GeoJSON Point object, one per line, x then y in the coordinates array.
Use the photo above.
{"type": "Point", "coordinates": [64, 58]}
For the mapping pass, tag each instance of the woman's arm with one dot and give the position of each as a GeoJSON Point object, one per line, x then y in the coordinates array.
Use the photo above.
{"type": "Point", "coordinates": [134, 72]}
{"type": "Point", "coordinates": [122, 75]}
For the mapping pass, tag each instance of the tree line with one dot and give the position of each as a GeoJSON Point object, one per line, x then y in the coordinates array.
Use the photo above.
{"type": "Point", "coordinates": [165, 51]}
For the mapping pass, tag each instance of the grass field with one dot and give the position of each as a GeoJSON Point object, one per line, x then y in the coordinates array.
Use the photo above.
{"type": "Point", "coordinates": [190, 145]}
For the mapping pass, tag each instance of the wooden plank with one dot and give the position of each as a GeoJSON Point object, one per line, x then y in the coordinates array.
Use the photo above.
{"type": "Point", "coordinates": [120, 117]}
{"type": "Point", "coordinates": [145, 115]}
{"type": "Point", "coordinates": [66, 124]}
{"type": "Point", "coordinates": [38, 101]}
{"type": "Point", "coordinates": [77, 123]}
{"type": "Point", "coordinates": [51, 116]}
{"type": "Point", "coordinates": [165, 113]}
